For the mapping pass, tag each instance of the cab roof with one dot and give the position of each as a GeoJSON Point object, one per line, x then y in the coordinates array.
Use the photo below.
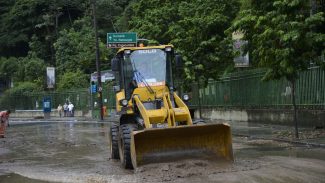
{"type": "Point", "coordinates": [144, 48]}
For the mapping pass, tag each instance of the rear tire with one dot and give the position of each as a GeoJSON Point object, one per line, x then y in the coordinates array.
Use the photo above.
{"type": "Point", "coordinates": [114, 142]}
{"type": "Point", "coordinates": [124, 144]}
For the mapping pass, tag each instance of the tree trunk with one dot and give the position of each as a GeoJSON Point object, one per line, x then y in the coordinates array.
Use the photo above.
{"type": "Point", "coordinates": [293, 98]}
{"type": "Point", "coordinates": [51, 46]}
{"type": "Point", "coordinates": [56, 25]}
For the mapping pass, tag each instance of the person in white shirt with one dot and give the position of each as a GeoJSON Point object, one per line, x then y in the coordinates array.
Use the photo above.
{"type": "Point", "coordinates": [71, 108]}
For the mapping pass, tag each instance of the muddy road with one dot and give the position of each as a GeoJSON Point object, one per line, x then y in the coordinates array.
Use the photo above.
{"type": "Point", "coordinates": [72, 151]}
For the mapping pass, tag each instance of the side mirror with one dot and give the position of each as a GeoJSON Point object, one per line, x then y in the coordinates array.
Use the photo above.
{"type": "Point", "coordinates": [116, 88]}
{"type": "Point", "coordinates": [114, 64]}
{"type": "Point", "coordinates": [179, 61]}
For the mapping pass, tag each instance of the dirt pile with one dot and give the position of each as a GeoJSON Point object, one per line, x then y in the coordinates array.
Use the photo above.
{"type": "Point", "coordinates": [191, 170]}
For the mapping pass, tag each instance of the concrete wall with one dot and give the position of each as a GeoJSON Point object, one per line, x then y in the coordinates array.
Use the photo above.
{"type": "Point", "coordinates": [272, 116]}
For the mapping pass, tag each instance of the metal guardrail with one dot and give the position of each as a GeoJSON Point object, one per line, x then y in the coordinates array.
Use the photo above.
{"type": "Point", "coordinates": [246, 90]}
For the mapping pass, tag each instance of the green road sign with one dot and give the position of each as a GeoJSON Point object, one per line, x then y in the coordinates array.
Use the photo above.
{"type": "Point", "coordinates": [118, 40]}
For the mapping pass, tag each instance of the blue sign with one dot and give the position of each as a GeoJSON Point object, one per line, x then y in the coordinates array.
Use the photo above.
{"type": "Point", "coordinates": [47, 104]}
{"type": "Point", "coordinates": [93, 88]}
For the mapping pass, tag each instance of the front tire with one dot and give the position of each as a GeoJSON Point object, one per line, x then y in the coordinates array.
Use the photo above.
{"type": "Point", "coordinates": [124, 144]}
{"type": "Point", "coordinates": [114, 142]}
{"type": "Point", "coordinates": [198, 122]}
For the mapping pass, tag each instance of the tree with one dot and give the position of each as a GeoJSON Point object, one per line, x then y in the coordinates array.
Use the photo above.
{"type": "Point", "coordinates": [73, 80]}
{"type": "Point", "coordinates": [26, 87]}
{"type": "Point", "coordinates": [20, 19]}
{"type": "Point", "coordinates": [283, 37]}
{"type": "Point", "coordinates": [35, 70]}
{"type": "Point", "coordinates": [200, 36]}
{"type": "Point", "coordinates": [75, 48]}
{"type": "Point", "coordinates": [196, 28]}
{"type": "Point", "coordinates": [31, 69]}
{"type": "Point", "coordinates": [8, 68]}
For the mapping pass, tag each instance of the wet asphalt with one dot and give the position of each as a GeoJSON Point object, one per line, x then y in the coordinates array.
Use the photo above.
{"type": "Point", "coordinates": [78, 151]}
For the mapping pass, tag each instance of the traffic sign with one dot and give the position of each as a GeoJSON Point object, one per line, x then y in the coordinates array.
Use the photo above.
{"type": "Point", "coordinates": [93, 88]}
{"type": "Point", "coordinates": [46, 104]}
{"type": "Point", "coordinates": [107, 75]}
{"type": "Point", "coordinates": [118, 40]}
{"type": "Point", "coordinates": [120, 45]}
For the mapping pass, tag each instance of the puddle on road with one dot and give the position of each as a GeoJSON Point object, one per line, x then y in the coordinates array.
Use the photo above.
{"type": "Point", "coordinates": [56, 143]}
{"type": "Point", "coordinates": [19, 179]}
{"type": "Point", "coordinates": [79, 149]}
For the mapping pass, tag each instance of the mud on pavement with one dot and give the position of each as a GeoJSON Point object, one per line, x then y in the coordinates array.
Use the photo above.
{"type": "Point", "coordinates": [78, 152]}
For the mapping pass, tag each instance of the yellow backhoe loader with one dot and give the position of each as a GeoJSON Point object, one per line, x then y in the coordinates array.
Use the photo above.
{"type": "Point", "coordinates": [155, 123]}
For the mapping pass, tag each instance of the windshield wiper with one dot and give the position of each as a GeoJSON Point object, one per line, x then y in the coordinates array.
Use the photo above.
{"type": "Point", "coordinates": [142, 79]}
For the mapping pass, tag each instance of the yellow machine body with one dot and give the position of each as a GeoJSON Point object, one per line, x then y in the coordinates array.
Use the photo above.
{"type": "Point", "coordinates": [169, 130]}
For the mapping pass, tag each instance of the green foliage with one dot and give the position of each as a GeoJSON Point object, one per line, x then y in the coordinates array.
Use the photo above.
{"type": "Point", "coordinates": [37, 32]}
{"type": "Point", "coordinates": [20, 90]}
{"type": "Point", "coordinates": [8, 67]}
{"type": "Point", "coordinates": [108, 13]}
{"type": "Point", "coordinates": [24, 88]}
{"type": "Point", "coordinates": [283, 36]}
{"type": "Point", "coordinates": [75, 48]}
{"type": "Point", "coordinates": [73, 80]}
{"type": "Point", "coordinates": [59, 33]}
{"type": "Point", "coordinates": [196, 28]}
{"type": "Point", "coordinates": [245, 4]}
{"type": "Point", "coordinates": [37, 48]}
{"type": "Point", "coordinates": [20, 19]}
{"type": "Point", "coordinates": [31, 69]}
{"type": "Point", "coordinates": [34, 69]}
{"type": "Point", "coordinates": [15, 24]}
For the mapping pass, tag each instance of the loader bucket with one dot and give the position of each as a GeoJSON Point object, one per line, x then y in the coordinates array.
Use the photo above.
{"type": "Point", "coordinates": [169, 144]}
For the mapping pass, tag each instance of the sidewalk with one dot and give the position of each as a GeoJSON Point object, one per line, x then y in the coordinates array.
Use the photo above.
{"type": "Point", "coordinates": [14, 121]}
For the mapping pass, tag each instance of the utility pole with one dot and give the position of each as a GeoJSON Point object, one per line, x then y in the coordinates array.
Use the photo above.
{"type": "Point", "coordinates": [200, 105]}
{"type": "Point", "coordinates": [99, 80]}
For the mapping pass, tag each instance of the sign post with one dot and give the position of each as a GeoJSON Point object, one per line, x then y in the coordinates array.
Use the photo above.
{"type": "Point", "coordinates": [47, 107]}
{"type": "Point", "coordinates": [119, 40]}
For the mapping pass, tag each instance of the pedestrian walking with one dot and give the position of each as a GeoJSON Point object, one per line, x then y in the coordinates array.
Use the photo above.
{"type": "Point", "coordinates": [4, 122]}
{"type": "Point", "coordinates": [71, 109]}
{"type": "Point", "coordinates": [65, 109]}
{"type": "Point", "coordinates": [60, 109]}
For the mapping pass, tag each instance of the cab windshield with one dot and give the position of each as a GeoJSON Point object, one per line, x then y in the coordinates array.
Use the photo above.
{"type": "Point", "coordinates": [149, 67]}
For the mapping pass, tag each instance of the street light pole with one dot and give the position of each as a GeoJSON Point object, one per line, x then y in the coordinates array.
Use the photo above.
{"type": "Point", "coordinates": [99, 80]}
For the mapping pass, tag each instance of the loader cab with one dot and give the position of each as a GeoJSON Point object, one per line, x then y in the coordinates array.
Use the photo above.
{"type": "Point", "coordinates": [143, 67]}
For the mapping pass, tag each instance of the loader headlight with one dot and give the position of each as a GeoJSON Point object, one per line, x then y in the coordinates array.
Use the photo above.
{"type": "Point", "coordinates": [186, 97]}
{"type": "Point", "coordinates": [168, 48]}
{"type": "Point", "coordinates": [124, 102]}
{"type": "Point", "coordinates": [128, 52]}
